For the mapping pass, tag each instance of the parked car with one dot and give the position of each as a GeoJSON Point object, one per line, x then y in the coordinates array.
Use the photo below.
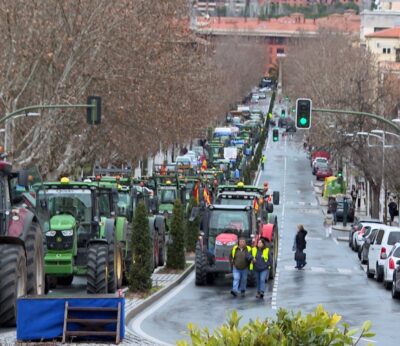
{"type": "Point", "coordinates": [364, 249]}
{"type": "Point", "coordinates": [318, 162]}
{"type": "Point", "coordinates": [389, 265]}
{"type": "Point", "coordinates": [396, 281]}
{"type": "Point", "coordinates": [359, 237]}
{"type": "Point", "coordinates": [323, 171]}
{"type": "Point", "coordinates": [357, 225]}
{"type": "Point", "coordinates": [383, 243]}
{"type": "Point", "coordinates": [340, 206]}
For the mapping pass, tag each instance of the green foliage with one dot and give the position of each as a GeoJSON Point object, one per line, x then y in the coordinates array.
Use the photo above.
{"type": "Point", "coordinates": [289, 328]}
{"type": "Point", "coordinates": [192, 229]}
{"type": "Point", "coordinates": [141, 268]}
{"type": "Point", "coordinates": [176, 250]}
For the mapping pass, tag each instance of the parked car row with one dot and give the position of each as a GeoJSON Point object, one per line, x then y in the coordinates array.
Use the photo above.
{"type": "Point", "coordinates": [378, 247]}
{"type": "Point", "coordinates": [321, 168]}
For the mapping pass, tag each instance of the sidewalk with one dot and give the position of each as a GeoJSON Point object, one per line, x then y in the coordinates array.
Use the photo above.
{"type": "Point", "coordinates": [133, 306]}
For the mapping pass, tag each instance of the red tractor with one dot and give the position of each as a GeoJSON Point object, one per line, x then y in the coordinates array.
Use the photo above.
{"type": "Point", "coordinates": [21, 246]}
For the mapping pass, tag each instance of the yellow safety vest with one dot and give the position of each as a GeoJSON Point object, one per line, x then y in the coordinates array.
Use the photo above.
{"type": "Point", "coordinates": [235, 248]}
{"type": "Point", "coordinates": [265, 255]}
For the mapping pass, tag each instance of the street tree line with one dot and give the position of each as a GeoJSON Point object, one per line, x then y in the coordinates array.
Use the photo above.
{"type": "Point", "coordinates": [337, 73]}
{"type": "Point", "coordinates": [160, 84]}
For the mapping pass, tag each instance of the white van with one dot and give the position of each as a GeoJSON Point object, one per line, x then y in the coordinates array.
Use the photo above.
{"type": "Point", "coordinates": [383, 243]}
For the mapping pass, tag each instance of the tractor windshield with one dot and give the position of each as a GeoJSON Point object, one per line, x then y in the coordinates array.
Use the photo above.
{"type": "Point", "coordinates": [123, 198]}
{"type": "Point", "coordinates": [236, 201]}
{"type": "Point", "coordinates": [228, 221]}
{"type": "Point", "coordinates": [168, 196]}
{"type": "Point", "coordinates": [75, 202]}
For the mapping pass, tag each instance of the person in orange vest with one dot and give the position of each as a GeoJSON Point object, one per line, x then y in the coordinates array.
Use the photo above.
{"type": "Point", "coordinates": [163, 169]}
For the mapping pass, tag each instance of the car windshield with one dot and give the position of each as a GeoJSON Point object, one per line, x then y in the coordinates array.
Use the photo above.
{"type": "Point", "coordinates": [228, 221]}
{"type": "Point", "coordinates": [168, 196]}
{"type": "Point", "coordinates": [393, 238]}
{"type": "Point", "coordinates": [76, 202]}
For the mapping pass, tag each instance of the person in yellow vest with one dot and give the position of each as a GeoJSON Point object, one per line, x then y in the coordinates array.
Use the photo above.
{"type": "Point", "coordinates": [261, 265]}
{"type": "Point", "coordinates": [240, 260]}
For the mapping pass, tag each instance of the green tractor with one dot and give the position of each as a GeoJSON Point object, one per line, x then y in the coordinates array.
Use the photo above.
{"type": "Point", "coordinates": [84, 236]}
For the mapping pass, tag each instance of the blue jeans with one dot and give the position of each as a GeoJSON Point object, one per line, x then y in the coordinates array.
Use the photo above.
{"type": "Point", "coordinates": [239, 279]}
{"type": "Point", "coordinates": [261, 277]}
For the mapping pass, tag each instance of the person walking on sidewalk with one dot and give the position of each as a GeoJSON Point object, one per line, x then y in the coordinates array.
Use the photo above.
{"type": "Point", "coordinates": [328, 221]}
{"type": "Point", "coordinates": [261, 265]}
{"type": "Point", "coordinates": [240, 260]}
{"type": "Point", "coordinates": [263, 160]}
{"type": "Point", "coordinates": [333, 208]}
{"type": "Point", "coordinates": [299, 247]}
{"type": "Point", "coordinates": [354, 194]}
{"type": "Point", "coordinates": [393, 211]}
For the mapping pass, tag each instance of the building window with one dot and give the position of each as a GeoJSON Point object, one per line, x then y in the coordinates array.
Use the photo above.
{"type": "Point", "coordinates": [280, 51]}
{"type": "Point", "coordinates": [386, 50]}
{"type": "Point", "coordinates": [397, 55]}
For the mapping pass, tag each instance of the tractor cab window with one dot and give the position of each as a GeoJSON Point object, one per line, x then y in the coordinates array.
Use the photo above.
{"type": "Point", "coordinates": [168, 196]}
{"type": "Point", "coordinates": [104, 204]}
{"type": "Point", "coordinates": [226, 221]}
{"type": "Point", "coordinates": [74, 202]}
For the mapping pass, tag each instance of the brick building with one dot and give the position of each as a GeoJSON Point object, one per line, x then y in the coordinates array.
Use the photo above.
{"type": "Point", "coordinates": [275, 34]}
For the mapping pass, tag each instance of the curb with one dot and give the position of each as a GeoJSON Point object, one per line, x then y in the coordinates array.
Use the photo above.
{"type": "Point", "coordinates": [156, 296]}
{"type": "Point", "coordinates": [342, 239]}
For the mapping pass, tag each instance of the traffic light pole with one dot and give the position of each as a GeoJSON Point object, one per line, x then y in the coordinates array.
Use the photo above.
{"type": "Point", "coordinates": [369, 115]}
{"type": "Point", "coordinates": [28, 109]}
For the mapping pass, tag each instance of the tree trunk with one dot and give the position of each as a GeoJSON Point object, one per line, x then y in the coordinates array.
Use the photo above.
{"type": "Point", "coordinates": [375, 192]}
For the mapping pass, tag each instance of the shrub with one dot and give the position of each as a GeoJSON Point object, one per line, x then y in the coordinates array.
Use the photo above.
{"type": "Point", "coordinates": [289, 328]}
{"type": "Point", "coordinates": [141, 268]}
{"type": "Point", "coordinates": [176, 250]}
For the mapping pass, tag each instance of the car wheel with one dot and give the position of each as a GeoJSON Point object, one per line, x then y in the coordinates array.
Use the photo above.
{"type": "Point", "coordinates": [387, 284]}
{"type": "Point", "coordinates": [369, 275]}
{"type": "Point", "coordinates": [378, 273]}
{"type": "Point", "coordinates": [395, 293]}
{"type": "Point", "coordinates": [360, 249]}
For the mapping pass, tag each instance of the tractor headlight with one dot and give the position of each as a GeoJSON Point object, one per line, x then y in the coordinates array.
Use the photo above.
{"type": "Point", "coordinates": [231, 243]}
{"type": "Point", "coordinates": [50, 233]}
{"type": "Point", "coordinates": [217, 242]}
{"type": "Point", "coordinates": [68, 233]}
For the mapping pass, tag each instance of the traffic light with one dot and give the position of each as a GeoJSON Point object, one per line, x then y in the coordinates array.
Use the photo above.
{"type": "Point", "coordinates": [303, 113]}
{"type": "Point", "coordinates": [93, 114]}
{"type": "Point", "coordinates": [283, 113]}
{"type": "Point", "coordinates": [275, 135]}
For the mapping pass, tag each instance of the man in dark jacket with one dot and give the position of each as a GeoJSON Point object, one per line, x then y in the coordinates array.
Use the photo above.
{"type": "Point", "coordinates": [240, 259]}
{"type": "Point", "coordinates": [299, 246]}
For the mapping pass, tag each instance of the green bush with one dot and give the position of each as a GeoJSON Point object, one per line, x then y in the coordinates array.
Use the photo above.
{"type": "Point", "coordinates": [289, 328]}
{"type": "Point", "coordinates": [141, 268]}
{"type": "Point", "coordinates": [176, 250]}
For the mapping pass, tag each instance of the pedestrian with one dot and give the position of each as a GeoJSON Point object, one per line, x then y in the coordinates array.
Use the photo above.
{"type": "Point", "coordinates": [333, 208]}
{"type": "Point", "coordinates": [353, 194]}
{"type": "Point", "coordinates": [359, 195]}
{"type": "Point", "coordinates": [263, 160]}
{"type": "Point", "coordinates": [328, 225]}
{"type": "Point", "coordinates": [237, 173]}
{"type": "Point", "coordinates": [240, 260]}
{"type": "Point", "coordinates": [299, 247]}
{"type": "Point", "coordinates": [393, 211]}
{"type": "Point", "coordinates": [261, 265]}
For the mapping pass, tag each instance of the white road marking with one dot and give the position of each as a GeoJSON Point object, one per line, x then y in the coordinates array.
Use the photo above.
{"type": "Point", "coordinates": [344, 271]}
{"type": "Point", "coordinates": [335, 240]}
{"type": "Point", "coordinates": [136, 324]}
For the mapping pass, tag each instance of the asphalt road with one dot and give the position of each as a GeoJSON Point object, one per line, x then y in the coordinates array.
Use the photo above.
{"type": "Point", "coordinates": [332, 277]}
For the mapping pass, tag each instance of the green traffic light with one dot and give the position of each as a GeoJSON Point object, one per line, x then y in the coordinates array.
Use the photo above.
{"type": "Point", "coordinates": [303, 121]}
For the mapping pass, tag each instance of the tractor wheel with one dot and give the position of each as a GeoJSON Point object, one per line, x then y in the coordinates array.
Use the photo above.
{"type": "Point", "coordinates": [115, 266]}
{"type": "Point", "coordinates": [35, 260]}
{"type": "Point", "coordinates": [201, 263]}
{"type": "Point", "coordinates": [13, 282]}
{"type": "Point", "coordinates": [97, 269]}
{"type": "Point", "coordinates": [65, 280]}
{"type": "Point", "coordinates": [251, 278]}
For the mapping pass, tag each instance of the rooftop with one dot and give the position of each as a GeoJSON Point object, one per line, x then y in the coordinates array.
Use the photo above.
{"type": "Point", "coordinates": [387, 33]}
